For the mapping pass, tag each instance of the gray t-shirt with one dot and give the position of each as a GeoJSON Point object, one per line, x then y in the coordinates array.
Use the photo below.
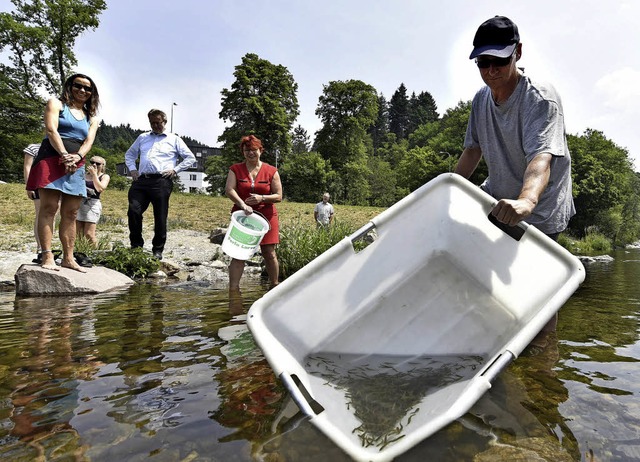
{"type": "Point", "coordinates": [510, 135]}
{"type": "Point", "coordinates": [324, 212]}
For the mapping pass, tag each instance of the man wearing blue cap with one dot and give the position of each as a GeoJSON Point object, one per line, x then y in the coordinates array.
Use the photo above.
{"type": "Point", "coordinates": [517, 125]}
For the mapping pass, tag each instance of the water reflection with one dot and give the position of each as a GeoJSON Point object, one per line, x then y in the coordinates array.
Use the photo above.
{"type": "Point", "coordinates": [130, 374]}
{"type": "Point", "coordinates": [44, 385]}
{"type": "Point", "coordinates": [172, 373]}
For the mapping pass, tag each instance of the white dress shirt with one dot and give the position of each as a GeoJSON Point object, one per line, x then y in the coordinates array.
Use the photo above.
{"type": "Point", "coordinates": [159, 152]}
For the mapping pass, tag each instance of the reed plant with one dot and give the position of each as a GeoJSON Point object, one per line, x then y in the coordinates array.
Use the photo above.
{"type": "Point", "coordinates": [301, 242]}
{"type": "Point", "coordinates": [85, 246]}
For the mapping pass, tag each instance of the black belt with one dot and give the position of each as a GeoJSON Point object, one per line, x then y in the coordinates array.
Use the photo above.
{"type": "Point", "coordinates": [151, 175]}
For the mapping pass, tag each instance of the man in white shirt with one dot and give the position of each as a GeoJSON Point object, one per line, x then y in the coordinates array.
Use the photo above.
{"type": "Point", "coordinates": [161, 157]}
{"type": "Point", "coordinates": [323, 212]}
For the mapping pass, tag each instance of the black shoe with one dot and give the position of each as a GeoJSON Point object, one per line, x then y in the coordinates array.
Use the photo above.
{"type": "Point", "coordinates": [157, 254]}
{"type": "Point", "coordinates": [38, 259]}
{"type": "Point", "coordinates": [82, 259]}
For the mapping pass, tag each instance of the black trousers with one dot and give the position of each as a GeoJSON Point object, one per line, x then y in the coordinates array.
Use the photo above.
{"type": "Point", "coordinates": [145, 191]}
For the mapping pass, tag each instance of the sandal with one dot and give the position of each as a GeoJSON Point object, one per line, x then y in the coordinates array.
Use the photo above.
{"type": "Point", "coordinates": [82, 259]}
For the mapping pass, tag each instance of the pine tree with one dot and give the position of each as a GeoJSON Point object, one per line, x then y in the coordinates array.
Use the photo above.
{"type": "Point", "coordinates": [399, 113]}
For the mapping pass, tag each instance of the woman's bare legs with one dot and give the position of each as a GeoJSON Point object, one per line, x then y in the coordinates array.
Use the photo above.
{"type": "Point", "coordinates": [69, 206]}
{"type": "Point", "coordinates": [80, 228]}
{"type": "Point", "coordinates": [49, 200]}
{"type": "Point", "coordinates": [271, 262]}
{"type": "Point", "coordinates": [87, 230]}
{"type": "Point", "coordinates": [236, 268]}
{"type": "Point", "coordinates": [36, 205]}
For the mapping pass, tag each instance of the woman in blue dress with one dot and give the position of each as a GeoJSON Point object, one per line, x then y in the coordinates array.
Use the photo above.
{"type": "Point", "coordinates": [58, 171]}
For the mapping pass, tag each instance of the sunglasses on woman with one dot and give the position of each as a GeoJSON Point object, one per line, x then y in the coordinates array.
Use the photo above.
{"type": "Point", "coordinates": [79, 86]}
{"type": "Point", "coordinates": [95, 163]}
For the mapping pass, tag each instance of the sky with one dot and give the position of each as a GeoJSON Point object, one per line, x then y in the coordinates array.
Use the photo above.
{"type": "Point", "coordinates": [153, 53]}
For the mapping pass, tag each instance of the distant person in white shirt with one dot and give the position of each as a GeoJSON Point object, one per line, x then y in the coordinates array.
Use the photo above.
{"type": "Point", "coordinates": [323, 213]}
{"type": "Point", "coordinates": [162, 156]}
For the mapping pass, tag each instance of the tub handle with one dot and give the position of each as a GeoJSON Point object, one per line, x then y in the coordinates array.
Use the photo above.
{"type": "Point", "coordinates": [497, 366]}
{"type": "Point", "coordinates": [301, 395]}
{"type": "Point", "coordinates": [516, 232]}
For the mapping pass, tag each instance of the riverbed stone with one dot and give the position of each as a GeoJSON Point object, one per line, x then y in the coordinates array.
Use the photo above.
{"type": "Point", "coordinates": [532, 449]}
{"type": "Point", "coordinates": [217, 235]}
{"type": "Point", "coordinates": [32, 279]}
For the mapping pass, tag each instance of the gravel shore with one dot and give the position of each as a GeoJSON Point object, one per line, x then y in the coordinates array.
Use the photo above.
{"type": "Point", "coordinates": [188, 255]}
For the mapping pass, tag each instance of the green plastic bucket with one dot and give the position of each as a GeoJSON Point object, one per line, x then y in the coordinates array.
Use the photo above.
{"type": "Point", "coordinates": [244, 235]}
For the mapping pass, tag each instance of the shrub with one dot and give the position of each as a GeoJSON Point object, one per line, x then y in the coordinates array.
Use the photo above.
{"type": "Point", "coordinates": [594, 243]}
{"type": "Point", "coordinates": [135, 263]}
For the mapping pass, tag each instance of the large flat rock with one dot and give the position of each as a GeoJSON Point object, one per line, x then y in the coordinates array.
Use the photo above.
{"type": "Point", "coordinates": [31, 279]}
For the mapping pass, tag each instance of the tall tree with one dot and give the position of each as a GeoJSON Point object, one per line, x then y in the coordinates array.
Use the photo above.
{"type": "Point", "coordinates": [37, 38]}
{"type": "Point", "coordinates": [306, 176]}
{"type": "Point", "coordinates": [422, 110]}
{"type": "Point", "coordinates": [602, 178]}
{"type": "Point", "coordinates": [20, 124]}
{"type": "Point", "coordinates": [301, 141]}
{"type": "Point", "coordinates": [399, 113]}
{"type": "Point", "coordinates": [261, 101]}
{"type": "Point", "coordinates": [347, 110]}
{"type": "Point", "coordinates": [445, 138]}
{"type": "Point", "coordinates": [40, 36]}
{"type": "Point", "coordinates": [380, 128]}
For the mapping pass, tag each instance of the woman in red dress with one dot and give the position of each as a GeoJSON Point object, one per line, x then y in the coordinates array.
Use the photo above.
{"type": "Point", "coordinates": [255, 185]}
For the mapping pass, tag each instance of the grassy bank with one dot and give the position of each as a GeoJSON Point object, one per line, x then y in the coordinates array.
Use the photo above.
{"type": "Point", "coordinates": [201, 213]}
{"type": "Point", "coordinates": [187, 211]}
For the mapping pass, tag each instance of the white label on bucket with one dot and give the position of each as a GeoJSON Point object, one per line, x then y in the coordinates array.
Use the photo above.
{"type": "Point", "coordinates": [243, 238]}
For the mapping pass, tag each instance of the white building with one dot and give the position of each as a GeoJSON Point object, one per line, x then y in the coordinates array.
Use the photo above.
{"type": "Point", "coordinates": [192, 179]}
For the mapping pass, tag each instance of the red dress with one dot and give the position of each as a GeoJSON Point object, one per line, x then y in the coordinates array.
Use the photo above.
{"type": "Point", "coordinates": [261, 185]}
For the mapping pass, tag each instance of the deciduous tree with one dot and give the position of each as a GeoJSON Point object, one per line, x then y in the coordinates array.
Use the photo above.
{"type": "Point", "coordinates": [347, 110]}
{"type": "Point", "coordinates": [261, 101]}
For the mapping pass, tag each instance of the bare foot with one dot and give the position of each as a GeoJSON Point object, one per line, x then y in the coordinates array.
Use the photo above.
{"type": "Point", "coordinates": [50, 266]}
{"type": "Point", "coordinates": [73, 266]}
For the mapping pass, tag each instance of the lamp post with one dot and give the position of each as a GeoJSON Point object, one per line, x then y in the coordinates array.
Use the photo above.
{"type": "Point", "coordinates": [174, 104]}
{"type": "Point", "coordinates": [447, 159]}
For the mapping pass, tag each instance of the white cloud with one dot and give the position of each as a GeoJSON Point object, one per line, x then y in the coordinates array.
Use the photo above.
{"type": "Point", "coordinates": [620, 90]}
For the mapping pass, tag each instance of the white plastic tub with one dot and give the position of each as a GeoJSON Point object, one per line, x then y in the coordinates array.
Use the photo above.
{"type": "Point", "coordinates": [383, 347]}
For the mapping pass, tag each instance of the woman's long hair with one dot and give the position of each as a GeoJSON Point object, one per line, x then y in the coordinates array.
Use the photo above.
{"type": "Point", "coordinates": [91, 105]}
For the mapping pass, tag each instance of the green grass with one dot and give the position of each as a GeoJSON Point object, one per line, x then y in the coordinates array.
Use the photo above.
{"type": "Point", "coordinates": [186, 211]}
{"type": "Point", "coordinates": [593, 243]}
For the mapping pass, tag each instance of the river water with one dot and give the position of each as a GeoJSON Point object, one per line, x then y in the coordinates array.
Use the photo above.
{"type": "Point", "coordinates": [171, 373]}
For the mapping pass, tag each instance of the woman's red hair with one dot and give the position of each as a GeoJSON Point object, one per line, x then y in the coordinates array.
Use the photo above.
{"type": "Point", "coordinates": [251, 142]}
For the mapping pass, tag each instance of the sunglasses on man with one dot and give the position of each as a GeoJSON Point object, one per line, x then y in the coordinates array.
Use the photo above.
{"type": "Point", "coordinates": [485, 62]}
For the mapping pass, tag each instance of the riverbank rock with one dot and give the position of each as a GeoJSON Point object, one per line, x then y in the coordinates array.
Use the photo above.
{"type": "Point", "coordinates": [188, 256]}
{"type": "Point", "coordinates": [217, 236]}
{"type": "Point", "coordinates": [32, 279]}
{"type": "Point", "coordinates": [596, 259]}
